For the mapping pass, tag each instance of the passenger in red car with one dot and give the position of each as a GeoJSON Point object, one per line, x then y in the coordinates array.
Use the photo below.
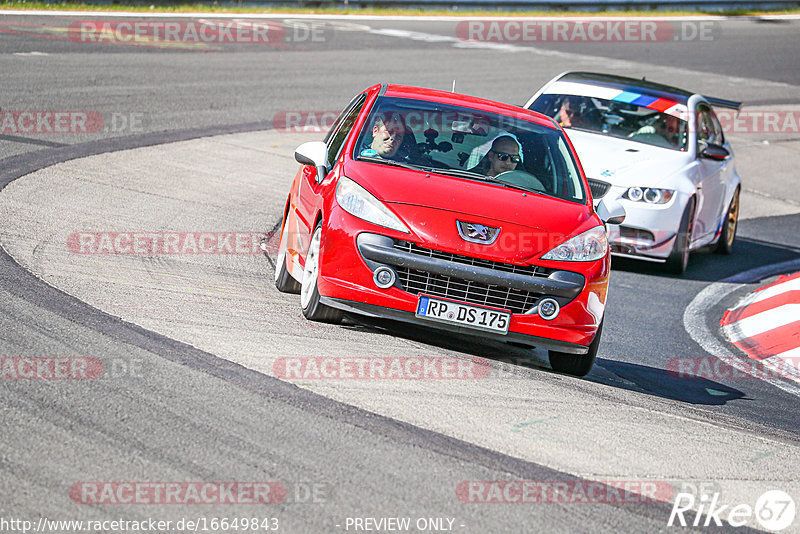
{"type": "Point", "coordinates": [503, 156]}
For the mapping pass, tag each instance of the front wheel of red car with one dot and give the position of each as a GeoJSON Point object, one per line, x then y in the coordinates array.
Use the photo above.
{"type": "Point", "coordinates": [313, 309]}
{"type": "Point", "coordinates": [576, 364]}
{"type": "Point", "coordinates": [283, 280]}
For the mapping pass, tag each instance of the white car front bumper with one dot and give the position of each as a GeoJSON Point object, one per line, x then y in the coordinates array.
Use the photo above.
{"type": "Point", "coordinates": [649, 230]}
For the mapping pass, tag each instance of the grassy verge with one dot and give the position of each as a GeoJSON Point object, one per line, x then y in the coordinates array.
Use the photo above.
{"type": "Point", "coordinates": [216, 8]}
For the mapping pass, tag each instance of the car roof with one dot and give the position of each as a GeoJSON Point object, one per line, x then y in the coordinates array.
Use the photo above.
{"type": "Point", "coordinates": [631, 85]}
{"type": "Point", "coordinates": [458, 99]}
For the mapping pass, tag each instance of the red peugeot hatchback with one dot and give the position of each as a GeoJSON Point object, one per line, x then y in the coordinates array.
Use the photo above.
{"type": "Point", "coordinates": [452, 212]}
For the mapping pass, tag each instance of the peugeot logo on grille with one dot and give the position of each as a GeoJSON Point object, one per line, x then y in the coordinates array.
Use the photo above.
{"type": "Point", "coordinates": [477, 233]}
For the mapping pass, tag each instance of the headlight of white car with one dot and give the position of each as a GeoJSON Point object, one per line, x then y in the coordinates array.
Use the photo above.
{"type": "Point", "coordinates": [357, 201]}
{"type": "Point", "coordinates": [649, 195]}
{"type": "Point", "coordinates": [591, 245]}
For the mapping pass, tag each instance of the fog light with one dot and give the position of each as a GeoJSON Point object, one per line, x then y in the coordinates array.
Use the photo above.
{"type": "Point", "coordinates": [384, 277]}
{"type": "Point", "coordinates": [548, 308]}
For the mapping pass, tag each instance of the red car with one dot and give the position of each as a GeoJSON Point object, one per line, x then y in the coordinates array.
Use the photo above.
{"type": "Point", "coordinates": [451, 212]}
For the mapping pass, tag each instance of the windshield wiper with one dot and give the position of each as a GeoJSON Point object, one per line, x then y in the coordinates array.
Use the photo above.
{"type": "Point", "coordinates": [458, 172]}
{"type": "Point", "coordinates": [512, 185]}
{"type": "Point", "coordinates": [393, 162]}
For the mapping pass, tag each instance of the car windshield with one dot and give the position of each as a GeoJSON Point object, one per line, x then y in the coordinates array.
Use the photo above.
{"type": "Point", "coordinates": [465, 143]}
{"type": "Point", "coordinates": [617, 119]}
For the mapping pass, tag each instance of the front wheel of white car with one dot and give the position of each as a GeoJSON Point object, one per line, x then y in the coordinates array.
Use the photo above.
{"type": "Point", "coordinates": [678, 259]}
{"type": "Point", "coordinates": [313, 309]}
{"type": "Point", "coordinates": [728, 235]}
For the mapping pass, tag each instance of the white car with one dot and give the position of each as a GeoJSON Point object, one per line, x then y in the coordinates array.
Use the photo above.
{"type": "Point", "coordinates": [661, 152]}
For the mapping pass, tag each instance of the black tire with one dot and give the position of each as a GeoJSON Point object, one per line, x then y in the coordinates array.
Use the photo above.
{"type": "Point", "coordinates": [576, 364]}
{"type": "Point", "coordinates": [678, 259]}
{"type": "Point", "coordinates": [283, 280]}
{"type": "Point", "coordinates": [729, 227]}
{"type": "Point", "coordinates": [313, 309]}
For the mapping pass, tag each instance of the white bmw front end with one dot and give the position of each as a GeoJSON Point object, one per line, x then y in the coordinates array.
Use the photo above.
{"type": "Point", "coordinates": [652, 183]}
{"type": "Point", "coordinates": [660, 152]}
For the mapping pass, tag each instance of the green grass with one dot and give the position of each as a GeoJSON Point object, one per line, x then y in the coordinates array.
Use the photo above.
{"type": "Point", "coordinates": [216, 8]}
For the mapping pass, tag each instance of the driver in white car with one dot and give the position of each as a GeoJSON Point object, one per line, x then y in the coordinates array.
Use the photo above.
{"type": "Point", "coordinates": [667, 131]}
{"type": "Point", "coordinates": [503, 156]}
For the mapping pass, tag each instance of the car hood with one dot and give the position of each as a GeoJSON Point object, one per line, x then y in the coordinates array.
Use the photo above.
{"type": "Point", "coordinates": [486, 201]}
{"type": "Point", "coordinates": [626, 163]}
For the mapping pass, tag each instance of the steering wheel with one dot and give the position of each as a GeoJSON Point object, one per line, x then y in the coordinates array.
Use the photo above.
{"type": "Point", "coordinates": [521, 178]}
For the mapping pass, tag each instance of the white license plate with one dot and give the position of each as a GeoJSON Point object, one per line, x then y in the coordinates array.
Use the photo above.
{"type": "Point", "coordinates": [448, 311]}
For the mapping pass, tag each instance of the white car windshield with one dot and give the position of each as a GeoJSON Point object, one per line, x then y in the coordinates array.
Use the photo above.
{"type": "Point", "coordinates": [466, 143]}
{"type": "Point", "coordinates": [615, 119]}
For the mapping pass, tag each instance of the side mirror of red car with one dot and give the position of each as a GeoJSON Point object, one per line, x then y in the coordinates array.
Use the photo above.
{"type": "Point", "coordinates": [314, 153]}
{"type": "Point", "coordinates": [610, 211]}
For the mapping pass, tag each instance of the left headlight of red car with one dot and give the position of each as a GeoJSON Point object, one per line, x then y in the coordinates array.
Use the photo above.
{"type": "Point", "coordinates": [360, 203]}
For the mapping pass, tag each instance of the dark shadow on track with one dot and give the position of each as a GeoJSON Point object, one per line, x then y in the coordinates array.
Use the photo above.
{"type": "Point", "coordinates": [517, 362]}
{"type": "Point", "coordinates": [505, 355]}
{"type": "Point", "coordinates": [671, 385]}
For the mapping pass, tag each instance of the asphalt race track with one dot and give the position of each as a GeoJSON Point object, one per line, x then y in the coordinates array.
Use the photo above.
{"type": "Point", "coordinates": [191, 137]}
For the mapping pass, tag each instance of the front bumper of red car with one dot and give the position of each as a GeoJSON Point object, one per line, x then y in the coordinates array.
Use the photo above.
{"type": "Point", "coordinates": [352, 251]}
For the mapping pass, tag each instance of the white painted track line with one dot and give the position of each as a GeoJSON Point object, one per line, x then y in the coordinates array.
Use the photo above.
{"type": "Point", "coordinates": [762, 322]}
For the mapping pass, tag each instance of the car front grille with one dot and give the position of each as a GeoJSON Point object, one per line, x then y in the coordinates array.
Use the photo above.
{"type": "Point", "coordinates": [531, 270]}
{"type": "Point", "coordinates": [514, 300]}
{"type": "Point", "coordinates": [517, 301]}
{"type": "Point", "coordinates": [598, 187]}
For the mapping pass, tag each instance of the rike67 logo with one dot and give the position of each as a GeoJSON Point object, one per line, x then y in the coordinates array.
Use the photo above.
{"type": "Point", "coordinates": [774, 510]}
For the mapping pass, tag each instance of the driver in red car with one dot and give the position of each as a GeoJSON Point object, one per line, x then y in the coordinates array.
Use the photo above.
{"type": "Point", "coordinates": [387, 136]}
{"type": "Point", "coordinates": [503, 156]}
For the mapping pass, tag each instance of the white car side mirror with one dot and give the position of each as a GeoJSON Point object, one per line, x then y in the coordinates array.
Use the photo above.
{"type": "Point", "coordinates": [715, 152]}
{"type": "Point", "coordinates": [314, 153]}
{"type": "Point", "coordinates": [610, 211]}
